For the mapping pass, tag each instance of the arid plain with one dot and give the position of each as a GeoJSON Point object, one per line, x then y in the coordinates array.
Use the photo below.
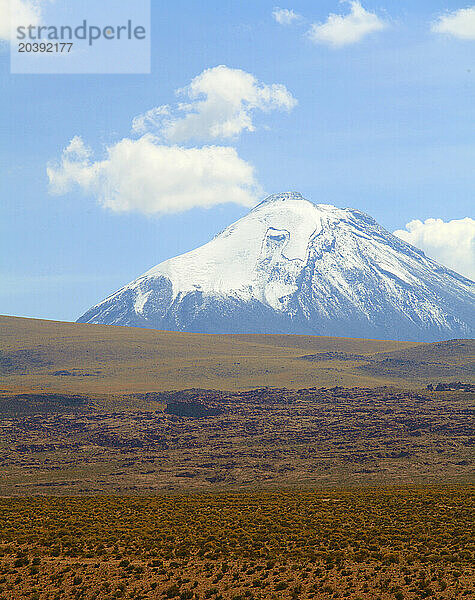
{"type": "Point", "coordinates": [145, 464]}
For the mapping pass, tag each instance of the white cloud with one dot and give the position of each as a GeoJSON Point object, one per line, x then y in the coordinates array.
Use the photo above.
{"type": "Point", "coordinates": [155, 175]}
{"type": "Point", "coordinates": [285, 16]}
{"type": "Point", "coordinates": [450, 243]}
{"type": "Point", "coordinates": [18, 12]}
{"type": "Point", "coordinates": [151, 120]}
{"type": "Point", "coordinates": [459, 23]}
{"type": "Point", "coordinates": [144, 176]}
{"type": "Point", "coordinates": [341, 30]}
{"type": "Point", "coordinates": [221, 103]}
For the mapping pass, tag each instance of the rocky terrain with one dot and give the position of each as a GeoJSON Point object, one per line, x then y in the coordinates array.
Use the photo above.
{"type": "Point", "coordinates": [202, 440]}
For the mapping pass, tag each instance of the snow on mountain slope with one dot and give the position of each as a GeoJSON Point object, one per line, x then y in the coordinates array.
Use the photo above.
{"type": "Point", "coordinates": [291, 266]}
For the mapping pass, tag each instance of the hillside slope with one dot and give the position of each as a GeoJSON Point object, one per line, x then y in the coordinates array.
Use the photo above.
{"type": "Point", "coordinates": [78, 358]}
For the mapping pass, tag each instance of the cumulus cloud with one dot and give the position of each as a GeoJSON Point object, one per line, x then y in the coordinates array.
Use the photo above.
{"type": "Point", "coordinates": [285, 16]}
{"type": "Point", "coordinates": [18, 12]}
{"type": "Point", "coordinates": [145, 176]}
{"type": "Point", "coordinates": [459, 23]}
{"type": "Point", "coordinates": [341, 30]}
{"type": "Point", "coordinates": [450, 243]}
{"type": "Point", "coordinates": [156, 173]}
{"type": "Point", "coordinates": [220, 103]}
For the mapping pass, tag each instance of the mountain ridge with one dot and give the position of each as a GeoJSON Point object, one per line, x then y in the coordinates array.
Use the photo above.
{"type": "Point", "coordinates": [292, 266]}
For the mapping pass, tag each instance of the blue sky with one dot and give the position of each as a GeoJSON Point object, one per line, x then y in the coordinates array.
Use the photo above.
{"type": "Point", "coordinates": [384, 124]}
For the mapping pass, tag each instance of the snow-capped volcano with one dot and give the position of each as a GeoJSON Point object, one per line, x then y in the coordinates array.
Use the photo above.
{"type": "Point", "coordinates": [291, 266]}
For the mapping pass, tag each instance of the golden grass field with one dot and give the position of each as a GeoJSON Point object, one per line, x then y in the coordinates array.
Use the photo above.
{"type": "Point", "coordinates": [100, 359]}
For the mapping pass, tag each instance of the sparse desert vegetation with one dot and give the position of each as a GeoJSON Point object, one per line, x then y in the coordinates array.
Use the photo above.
{"type": "Point", "coordinates": [388, 544]}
